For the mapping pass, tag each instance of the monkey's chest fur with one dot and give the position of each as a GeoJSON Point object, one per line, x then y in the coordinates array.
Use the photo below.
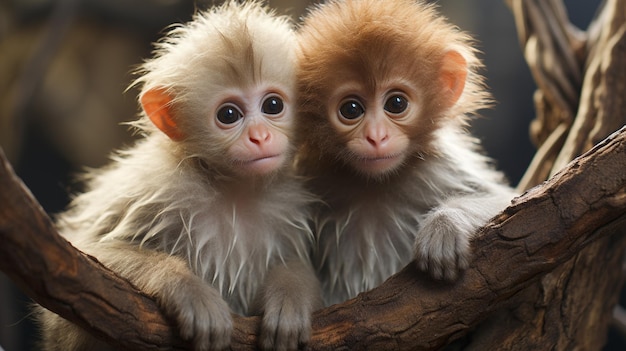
{"type": "Point", "coordinates": [365, 238]}
{"type": "Point", "coordinates": [232, 243]}
{"type": "Point", "coordinates": [232, 248]}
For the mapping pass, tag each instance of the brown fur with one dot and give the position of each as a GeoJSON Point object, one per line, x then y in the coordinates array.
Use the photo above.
{"type": "Point", "coordinates": [425, 207]}
{"type": "Point", "coordinates": [374, 42]}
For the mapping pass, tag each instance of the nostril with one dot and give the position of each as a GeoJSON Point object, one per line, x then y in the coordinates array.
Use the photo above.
{"type": "Point", "coordinates": [371, 141]}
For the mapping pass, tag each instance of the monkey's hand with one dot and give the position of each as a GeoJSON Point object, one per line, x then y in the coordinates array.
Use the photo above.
{"type": "Point", "coordinates": [202, 315]}
{"type": "Point", "coordinates": [442, 243]}
{"type": "Point", "coordinates": [289, 297]}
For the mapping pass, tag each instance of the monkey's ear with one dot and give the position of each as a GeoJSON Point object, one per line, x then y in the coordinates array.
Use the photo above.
{"type": "Point", "coordinates": [157, 105]}
{"type": "Point", "coordinates": [453, 76]}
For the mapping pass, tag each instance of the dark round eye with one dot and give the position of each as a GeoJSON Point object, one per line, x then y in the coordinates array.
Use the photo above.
{"type": "Point", "coordinates": [351, 109]}
{"type": "Point", "coordinates": [228, 114]}
{"type": "Point", "coordinates": [272, 105]}
{"type": "Point", "coordinates": [396, 104]}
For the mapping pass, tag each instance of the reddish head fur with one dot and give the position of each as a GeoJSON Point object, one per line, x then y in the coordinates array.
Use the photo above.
{"type": "Point", "coordinates": [373, 42]}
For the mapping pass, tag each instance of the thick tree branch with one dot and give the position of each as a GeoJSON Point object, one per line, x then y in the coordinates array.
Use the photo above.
{"type": "Point", "coordinates": [409, 311]}
{"type": "Point", "coordinates": [56, 275]}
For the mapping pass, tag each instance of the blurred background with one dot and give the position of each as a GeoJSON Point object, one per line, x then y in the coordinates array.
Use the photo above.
{"type": "Point", "coordinates": [65, 66]}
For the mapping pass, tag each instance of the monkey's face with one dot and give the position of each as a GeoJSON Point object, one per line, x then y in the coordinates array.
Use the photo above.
{"type": "Point", "coordinates": [253, 125]}
{"type": "Point", "coordinates": [372, 93]}
{"type": "Point", "coordinates": [372, 124]}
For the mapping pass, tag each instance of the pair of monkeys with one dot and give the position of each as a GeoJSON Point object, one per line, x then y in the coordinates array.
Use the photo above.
{"type": "Point", "coordinates": [283, 170]}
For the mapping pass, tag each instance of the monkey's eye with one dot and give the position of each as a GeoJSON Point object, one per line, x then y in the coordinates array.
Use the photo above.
{"type": "Point", "coordinates": [351, 109]}
{"type": "Point", "coordinates": [228, 114]}
{"type": "Point", "coordinates": [273, 105]}
{"type": "Point", "coordinates": [396, 104]}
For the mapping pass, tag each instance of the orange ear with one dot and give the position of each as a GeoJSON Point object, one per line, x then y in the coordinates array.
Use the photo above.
{"type": "Point", "coordinates": [157, 105]}
{"type": "Point", "coordinates": [453, 75]}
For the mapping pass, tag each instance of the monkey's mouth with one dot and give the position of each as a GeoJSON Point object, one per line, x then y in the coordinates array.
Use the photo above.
{"type": "Point", "coordinates": [263, 158]}
{"type": "Point", "coordinates": [379, 164]}
{"type": "Point", "coordinates": [378, 159]}
{"type": "Point", "coordinates": [263, 164]}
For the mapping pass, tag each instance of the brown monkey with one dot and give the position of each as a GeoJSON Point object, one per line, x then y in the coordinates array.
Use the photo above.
{"type": "Point", "coordinates": [205, 213]}
{"type": "Point", "coordinates": [386, 91]}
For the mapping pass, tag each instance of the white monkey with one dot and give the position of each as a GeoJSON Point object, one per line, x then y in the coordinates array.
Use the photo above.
{"type": "Point", "coordinates": [205, 213]}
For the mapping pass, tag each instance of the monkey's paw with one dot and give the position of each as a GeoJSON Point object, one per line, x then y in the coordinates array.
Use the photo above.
{"type": "Point", "coordinates": [442, 244]}
{"type": "Point", "coordinates": [286, 324]}
{"type": "Point", "coordinates": [202, 315]}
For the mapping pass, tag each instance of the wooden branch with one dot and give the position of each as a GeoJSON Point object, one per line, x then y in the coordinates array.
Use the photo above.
{"type": "Point", "coordinates": [550, 45]}
{"type": "Point", "coordinates": [601, 105]}
{"type": "Point", "coordinates": [52, 272]}
{"type": "Point", "coordinates": [558, 55]}
{"type": "Point", "coordinates": [556, 312]}
{"type": "Point", "coordinates": [547, 42]}
{"type": "Point", "coordinates": [543, 228]}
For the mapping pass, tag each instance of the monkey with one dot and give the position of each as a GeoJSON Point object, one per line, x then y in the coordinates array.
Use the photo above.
{"type": "Point", "coordinates": [386, 93]}
{"type": "Point", "coordinates": [205, 212]}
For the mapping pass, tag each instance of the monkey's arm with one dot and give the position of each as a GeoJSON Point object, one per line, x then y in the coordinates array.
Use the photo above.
{"type": "Point", "coordinates": [290, 294]}
{"type": "Point", "coordinates": [201, 313]}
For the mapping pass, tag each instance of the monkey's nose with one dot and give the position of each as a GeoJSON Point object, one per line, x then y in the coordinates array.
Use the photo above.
{"type": "Point", "coordinates": [377, 139]}
{"type": "Point", "coordinates": [259, 135]}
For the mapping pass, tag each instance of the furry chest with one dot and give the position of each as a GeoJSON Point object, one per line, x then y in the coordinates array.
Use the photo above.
{"type": "Point", "coordinates": [359, 249]}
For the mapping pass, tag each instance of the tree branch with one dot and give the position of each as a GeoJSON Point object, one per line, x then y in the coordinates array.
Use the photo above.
{"type": "Point", "coordinates": [573, 113]}
{"type": "Point", "coordinates": [409, 311]}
